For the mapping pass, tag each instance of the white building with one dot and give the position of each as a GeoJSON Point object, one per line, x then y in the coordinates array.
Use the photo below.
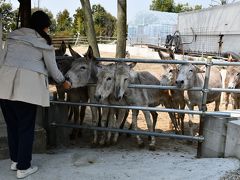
{"type": "Point", "coordinates": [216, 29]}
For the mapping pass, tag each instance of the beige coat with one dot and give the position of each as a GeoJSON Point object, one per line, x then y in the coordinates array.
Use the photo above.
{"type": "Point", "coordinates": [27, 82]}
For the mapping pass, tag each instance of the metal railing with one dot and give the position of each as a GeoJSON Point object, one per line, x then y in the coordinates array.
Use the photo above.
{"type": "Point", "coordinates": [202, 112]}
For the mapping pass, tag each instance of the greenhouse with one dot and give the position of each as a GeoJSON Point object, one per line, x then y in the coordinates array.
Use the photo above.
{"type": "Point", "coordinates": [151, 27]}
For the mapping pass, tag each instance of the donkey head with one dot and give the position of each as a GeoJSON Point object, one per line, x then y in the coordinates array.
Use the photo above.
{"type": "Point", "coordinates": [168, 78]}
{"type": "Point", "coordinates": [123, 75]}
{"type": "Point", "coordinates": [233, 74]}
{"type": "Point", "coordinates": [105, 82]}
{"type": "Point", "coordinates": [81, 68]}
{"type": "Point", "coordinates": [187, 74]}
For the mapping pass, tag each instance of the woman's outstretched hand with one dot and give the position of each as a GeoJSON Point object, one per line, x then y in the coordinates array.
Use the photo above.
{"type": "Point", "coordinates": [67, 85]}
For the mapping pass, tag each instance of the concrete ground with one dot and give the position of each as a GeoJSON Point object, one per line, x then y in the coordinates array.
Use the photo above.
{"type": "Point", "coordinates": [173, 160]}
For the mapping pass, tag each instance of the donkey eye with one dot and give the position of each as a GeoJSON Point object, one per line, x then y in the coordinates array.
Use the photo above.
{"type": "Point", "coordinates": [170, 70]}
{"type": "Point", "coordinates": [125, 79]}
{"type": "Point", "coordinates": [109, 79]}
{"type": "Point", "coordinates": [238, 74]}
{"type": "Point", "coordinates": [83, 68]}
{"type": "Point", "coordinates": [190, 70]}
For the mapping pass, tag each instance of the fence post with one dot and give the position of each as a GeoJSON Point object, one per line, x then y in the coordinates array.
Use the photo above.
{"type": "Point", "coordinates": [1, 33]}
{"type": "Point", "coordinates": [77, 39]}
{"type": "Point", "coordinates": [205, 91]}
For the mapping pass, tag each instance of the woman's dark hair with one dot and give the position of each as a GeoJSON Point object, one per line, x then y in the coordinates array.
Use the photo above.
{"type": "Point", "coordinates": [40, 20]}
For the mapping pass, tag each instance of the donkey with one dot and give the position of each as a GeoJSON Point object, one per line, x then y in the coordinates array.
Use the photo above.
{"type": "Point", "coordinates": [230, 72]}
{"type": "Point", "coordinates": [104, 94]}
{"type": "Point", "coordinates": [79, 94]}
{"type": "Point", "coordinates": [125, 75]}
{"type": "Point", "coordinates": [232, 81]}
{"type": "Point", "coordinates": [82, 72]}
{"type": "Point", "coordinates": [168, 79]}
{"type": "Point", "coordinates": [191, 76]}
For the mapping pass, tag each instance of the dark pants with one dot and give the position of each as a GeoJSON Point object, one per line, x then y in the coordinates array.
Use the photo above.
{"type": "Point", "coordinates": [20, 119]}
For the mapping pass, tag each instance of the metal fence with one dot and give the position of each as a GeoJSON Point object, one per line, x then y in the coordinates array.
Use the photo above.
{"type": "Point", "coordinates": [202, 112]}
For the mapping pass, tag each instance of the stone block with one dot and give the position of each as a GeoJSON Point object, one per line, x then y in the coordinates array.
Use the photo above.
{"type": "Point", "coordinates": [215, 132]}
{"type": "Point", "coordinates": [233, 139]}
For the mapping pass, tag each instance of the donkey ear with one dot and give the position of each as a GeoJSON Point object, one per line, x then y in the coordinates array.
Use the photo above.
{"type": "Point", "coordinates": [171, 53]}
{"type": "Point", "coordinates": [99, 67]}
{"type": "Point", "coordinates": [73, 53]}
{"type": "Point", "coordinates": [165, 66]}
{"type": "Point", "coordinates": [201, 69]}
{"type": "Point", "coordinates": [132, 65]}
{"type": "Point", "coordinates": [89, 53]}
{"type": "Point", "coordinates": [63, 47]}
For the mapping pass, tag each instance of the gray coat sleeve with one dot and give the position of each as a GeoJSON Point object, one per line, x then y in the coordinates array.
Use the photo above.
{"type": "Point", "coordinates": [50, 62]}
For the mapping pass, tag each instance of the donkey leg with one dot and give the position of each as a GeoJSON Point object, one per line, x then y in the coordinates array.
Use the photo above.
{"type": "Point", "coordinates": [104, 124]}
{"type": "Point", "coordinates": [82, 116]}
{"type": "Point", "coordinates": [118, 122]}
{"type": "Point", "coordinates": [111, 122]}
{"type": "Point", "coordinates": [217, 103]}
{"type": "Point", "coordinates": [182, 122]}
{"type": "Point", "coordinates": [226, 99]}
{"type": "Point", "coordinates": [95, 116]}
{"type": "Point", "coordinates": [73, 135]}
{"type": "Point", "coordinates": [154, 116]}
{"type": "Point", "coordinates": [135, 127]}
{"type": "Point", "coordinates": [150, 128]}
{"type": "Point", "coordinates": [124, 119]}
{"type": "Point", "coordinates": [70, 114]}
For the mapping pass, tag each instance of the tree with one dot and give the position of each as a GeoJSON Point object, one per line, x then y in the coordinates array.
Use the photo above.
{"type": "Point", "coordinates": [162, 5]}
{"type": "Point", "coordinates": [104, 22]}
{"type": "Point", "coordinates": [121, 28]}
{"type": "Point", "coordinates": [25, 12]}
{"type": "Point", "coordinates": [89, 26]}
{"type": "Point", "coordinates": [185, 7]}
{"type": "Point", "coordinates": [169, 6]}
{"type": "Point", "coordinates": [78, 23]}
{"type": "Point", "coordinates": [110, 25]}
{"type": "Point", "coordinates": [9, 17]}
{"type": "Point", "coordinates": [64, 22]}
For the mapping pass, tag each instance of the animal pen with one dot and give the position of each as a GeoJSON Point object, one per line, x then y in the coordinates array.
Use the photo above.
{"type": "Point", "coordinates": [202, 112]}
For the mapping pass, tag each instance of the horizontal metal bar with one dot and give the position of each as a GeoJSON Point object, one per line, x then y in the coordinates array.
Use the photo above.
{"type": "Point", "coordinates": [147, 86]}
{"type": "Point", "coordinates": [215, 113]}
{"type": "Point", "coordinates": [224, 90]}
{"type": "Point", "coordinates": [150, 86]}
{"type": "Point", "coordinates": [135, 132]}
{"type": "Point", "coordinates": [217, 35]}
{"type": "Point", "coordinates": [151, 61]}
{"type": "Point", "coordinates": [221, 63]}
{"type": "Point", "coordinates": [213, 62]}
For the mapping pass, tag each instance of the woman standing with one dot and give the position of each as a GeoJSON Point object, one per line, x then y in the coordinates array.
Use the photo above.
{"type": "Point", "coordinates": [28, 60]}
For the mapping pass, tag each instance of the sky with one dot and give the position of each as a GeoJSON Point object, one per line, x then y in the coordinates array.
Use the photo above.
{"type": "Point", "coordinates": [133, 6]}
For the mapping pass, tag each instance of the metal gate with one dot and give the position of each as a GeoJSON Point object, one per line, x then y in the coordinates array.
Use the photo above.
{"type": "Point", "coordinates": [202, 112]}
